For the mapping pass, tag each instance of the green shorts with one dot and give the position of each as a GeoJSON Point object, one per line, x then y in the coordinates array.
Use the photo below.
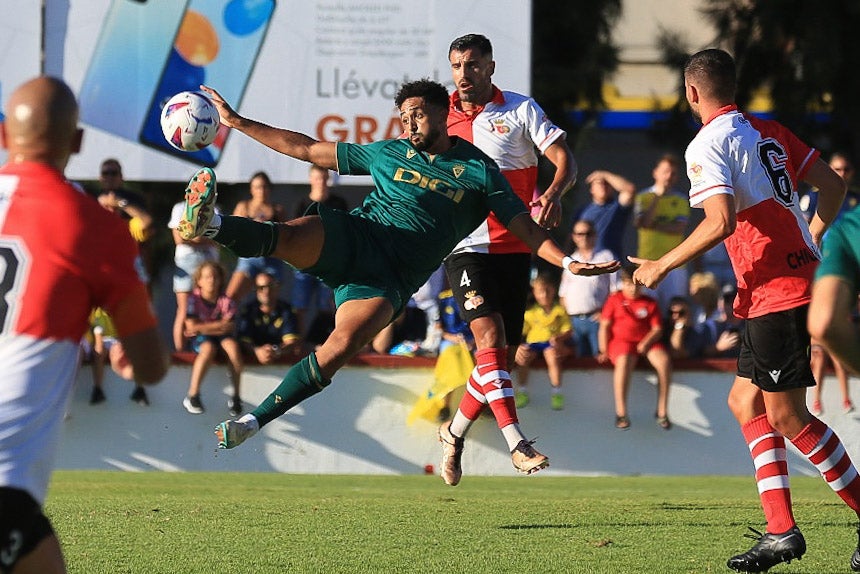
{"type": "Point", "coordinates": [354, 260]}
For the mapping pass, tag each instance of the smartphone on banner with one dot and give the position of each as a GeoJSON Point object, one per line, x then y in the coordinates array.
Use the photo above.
{"type": "Point", "coordinates": [133, 45]}
{"type": "Point", "coordinates": [217, 44]}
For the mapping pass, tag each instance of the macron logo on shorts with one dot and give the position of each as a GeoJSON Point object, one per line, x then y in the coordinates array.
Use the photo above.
{"type": "Point", "coordinates": [775, 375]}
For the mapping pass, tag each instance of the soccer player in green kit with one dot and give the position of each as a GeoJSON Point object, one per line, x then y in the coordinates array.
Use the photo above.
{"type": "Point", "coordinates": [431, 191]}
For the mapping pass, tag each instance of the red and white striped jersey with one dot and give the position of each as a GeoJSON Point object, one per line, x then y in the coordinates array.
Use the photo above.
{"type": "Point", "coordinates": [508, 129]}
{"type": "Point", "coordinates": [61, 254]}
{"type": "Point", "coordinates": [758, 162]}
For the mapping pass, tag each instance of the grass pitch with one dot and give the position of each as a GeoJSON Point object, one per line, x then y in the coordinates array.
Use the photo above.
{"type": "Point", "coordinates": [183, 523]}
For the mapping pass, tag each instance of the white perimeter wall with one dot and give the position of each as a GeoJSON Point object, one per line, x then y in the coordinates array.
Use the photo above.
{"type": "Point", "coordinates": [358, 425]}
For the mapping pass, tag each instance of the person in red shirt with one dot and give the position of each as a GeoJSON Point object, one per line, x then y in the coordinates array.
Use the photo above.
{"type": "Point", "coordinates": [630, 327]}
{"type": "Point", "coordinates": [489, 270]}
{"type": "Point", "coordinates": [62, 254]}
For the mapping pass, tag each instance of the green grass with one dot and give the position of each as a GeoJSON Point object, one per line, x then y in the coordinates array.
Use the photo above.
{"type": "Point", "coordinates": [172, 523]}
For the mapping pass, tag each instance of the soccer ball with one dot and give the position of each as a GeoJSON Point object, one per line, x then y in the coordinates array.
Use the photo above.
{"type": "Point", "coordinates": [189, 121]}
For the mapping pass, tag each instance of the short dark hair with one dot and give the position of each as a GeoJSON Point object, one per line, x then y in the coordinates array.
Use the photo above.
{"type": "Point", "coordinates": [472, 41]}
{"type": "Point", "coordinates": [432, 92]}
{"type": "Point", "coordinates": [715, 70]}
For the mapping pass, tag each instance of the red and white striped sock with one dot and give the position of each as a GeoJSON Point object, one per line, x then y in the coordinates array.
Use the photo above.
{"type": "Point", "coordinates": [767, 447]}
{"type": "Point", "coordinates": [822, 447]}
{"type": "Point", "coordinates": [495, 382]}
{"type": "Point", "coordinates": [471, 405]}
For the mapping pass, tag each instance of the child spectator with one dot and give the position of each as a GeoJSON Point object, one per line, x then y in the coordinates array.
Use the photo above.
{"type": "Point", "coordinates": [210, 325]}
{"type": "Point", "coordinates": [107, 348]}
{"type": "Point", "coordinates": [630, 326]}
{"type": "Point", "coordinates": [267, 325]}
{"type": "Point", "coordinates": [546, 330]}
{"type": "Point", "coordinates": [187, 257]}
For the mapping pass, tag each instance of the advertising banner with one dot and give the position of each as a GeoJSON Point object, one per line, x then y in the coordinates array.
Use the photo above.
{"type": "Point", "coordinates": [327, 68]}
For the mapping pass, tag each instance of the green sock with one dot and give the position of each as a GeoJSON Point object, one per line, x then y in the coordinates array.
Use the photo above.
{"type": "Point", "coordinates": [246, 237]}
{"type": "Point", "coordinates": [303, 380]}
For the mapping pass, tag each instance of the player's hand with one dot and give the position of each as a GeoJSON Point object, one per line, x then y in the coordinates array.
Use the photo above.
{"type": "Point", "coordinates": [647, 273]}
{"type": "Point", "coordinates": [228, 114]}
{"type": "Point", "coordinates": [588, 269]}
{"type": "Point", "coordinates": [550, 211]}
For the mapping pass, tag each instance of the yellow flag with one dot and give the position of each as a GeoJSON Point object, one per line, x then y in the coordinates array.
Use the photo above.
{"type": "Point", "coordinates": [453, 367]}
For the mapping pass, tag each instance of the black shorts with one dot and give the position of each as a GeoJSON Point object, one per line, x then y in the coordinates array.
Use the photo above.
{"type": "Point", "coordinates": [774, 351]}
{"type": "Point", "coordinates": [485, 283]}
{"type": "Point", "coordinates": [22, 527]}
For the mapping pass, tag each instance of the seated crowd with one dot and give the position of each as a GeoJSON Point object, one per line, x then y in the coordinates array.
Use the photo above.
{"type": "Point", "coordinates": [246, 316]}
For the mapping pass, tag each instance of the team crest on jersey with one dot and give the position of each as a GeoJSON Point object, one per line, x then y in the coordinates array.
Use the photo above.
{"type": "Point", "coordinates": [499, 126]}
{"type": "Point", "coordinates": [410, 153]}
{"type": "Point", "coordinates": [458, 169]}
{"type": "Point", "coordinates": [695, 173]}
{"type": "Point", "coordinates": [473, 301]}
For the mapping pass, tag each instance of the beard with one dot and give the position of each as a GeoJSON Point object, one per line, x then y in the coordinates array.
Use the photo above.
{"type": "Point", "coordinates": [427, 141]}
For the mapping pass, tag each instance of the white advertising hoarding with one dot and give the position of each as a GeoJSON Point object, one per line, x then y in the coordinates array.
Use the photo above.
{"type": "Point", "coordinates": [327, 68]}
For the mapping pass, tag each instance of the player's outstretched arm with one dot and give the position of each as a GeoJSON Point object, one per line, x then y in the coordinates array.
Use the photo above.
{"type": "Point", "coordinates": [293, 144]}
{"type": "Point", "coordinates": [539, 241]}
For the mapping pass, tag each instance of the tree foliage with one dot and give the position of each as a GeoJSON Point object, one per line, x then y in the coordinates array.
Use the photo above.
{"type": "Point", "coordinates": [805, 55]}
{"type": "Point", "coordinates": [572, 53]}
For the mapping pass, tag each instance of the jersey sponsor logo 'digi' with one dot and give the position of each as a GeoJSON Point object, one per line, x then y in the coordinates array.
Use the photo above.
{"type": "Point", "coordinates": [435, 185]}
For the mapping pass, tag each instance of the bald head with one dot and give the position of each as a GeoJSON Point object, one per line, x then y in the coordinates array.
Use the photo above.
{"type": "Point", "coordinates": [41, 122]}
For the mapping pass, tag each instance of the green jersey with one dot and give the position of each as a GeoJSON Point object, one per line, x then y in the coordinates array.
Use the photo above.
{"type": "Point", "coordinates": [427, 205]}
{"type": "Point", "coordinates": [840, 251]}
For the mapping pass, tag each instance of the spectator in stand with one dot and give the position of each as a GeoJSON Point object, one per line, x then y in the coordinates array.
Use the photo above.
{"type": "Point", "coordinates": [267, 326]}
{"type": "Point", "coordinates": [630, 327]}
{"type": "Point", "coordinates": [711, 315]}
{"type": "Point", "coordinates": [546, 330]}
{"type": "Point", "coordinates": [131, 206]}
{"type": "Point", "coordinates": [842, 165]}
{"type": "Point", "coordinates": [609, 210]}
{"type": "Point", "coordinates": [308, 291]}
{"type": "Point", "coordinates": [661, 214]}
{"type": "Point", "coordinates": [716, 261]}
{"type": "Point", "coordinates": [210, 323]}
{"type": "Point", "coordinates": [453, 330]}
{"type": "Point", "coordinates": [583, 297]}
{"type": "Point", "coordinates": [107, 348]}
{"type": "Point", "coordinates": [684, 337]}
{"type": "Point", "coordinates": [188, 255]}
{"type": "Point", "coordinates": [258, 207]}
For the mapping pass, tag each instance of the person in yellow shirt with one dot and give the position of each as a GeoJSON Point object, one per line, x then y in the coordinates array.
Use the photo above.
{"type": "Point", "coordinates": [546, 330]}
{"type": "Point", "coordinates": [106, 348]}
{"type": "Point", "coordinates": [661, 213]}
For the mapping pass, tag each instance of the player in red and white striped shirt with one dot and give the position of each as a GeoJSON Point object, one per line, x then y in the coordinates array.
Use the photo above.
{"type": "Point", "coordinates": [489, 270]}
{"type": "Point", "coordinates": [61, 254]}
{"type": "Point", "coordinates": [744, 173]}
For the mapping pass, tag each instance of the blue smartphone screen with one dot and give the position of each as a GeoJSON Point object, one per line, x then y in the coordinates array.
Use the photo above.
{"type": "Point", "coordinates": [133, 46]}
{"type": "Point", "coordinates": [217, 45]}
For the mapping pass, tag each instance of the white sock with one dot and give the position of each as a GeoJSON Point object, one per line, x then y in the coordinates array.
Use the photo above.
{"type": "Point", "coordinates": [249, 420]}
{"type": "Point", "coordinates": [460, 424]}
{"type": "Point", "coordinates": [556, 390]}
{"type": "Point", "coordinates": [513, 435]}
